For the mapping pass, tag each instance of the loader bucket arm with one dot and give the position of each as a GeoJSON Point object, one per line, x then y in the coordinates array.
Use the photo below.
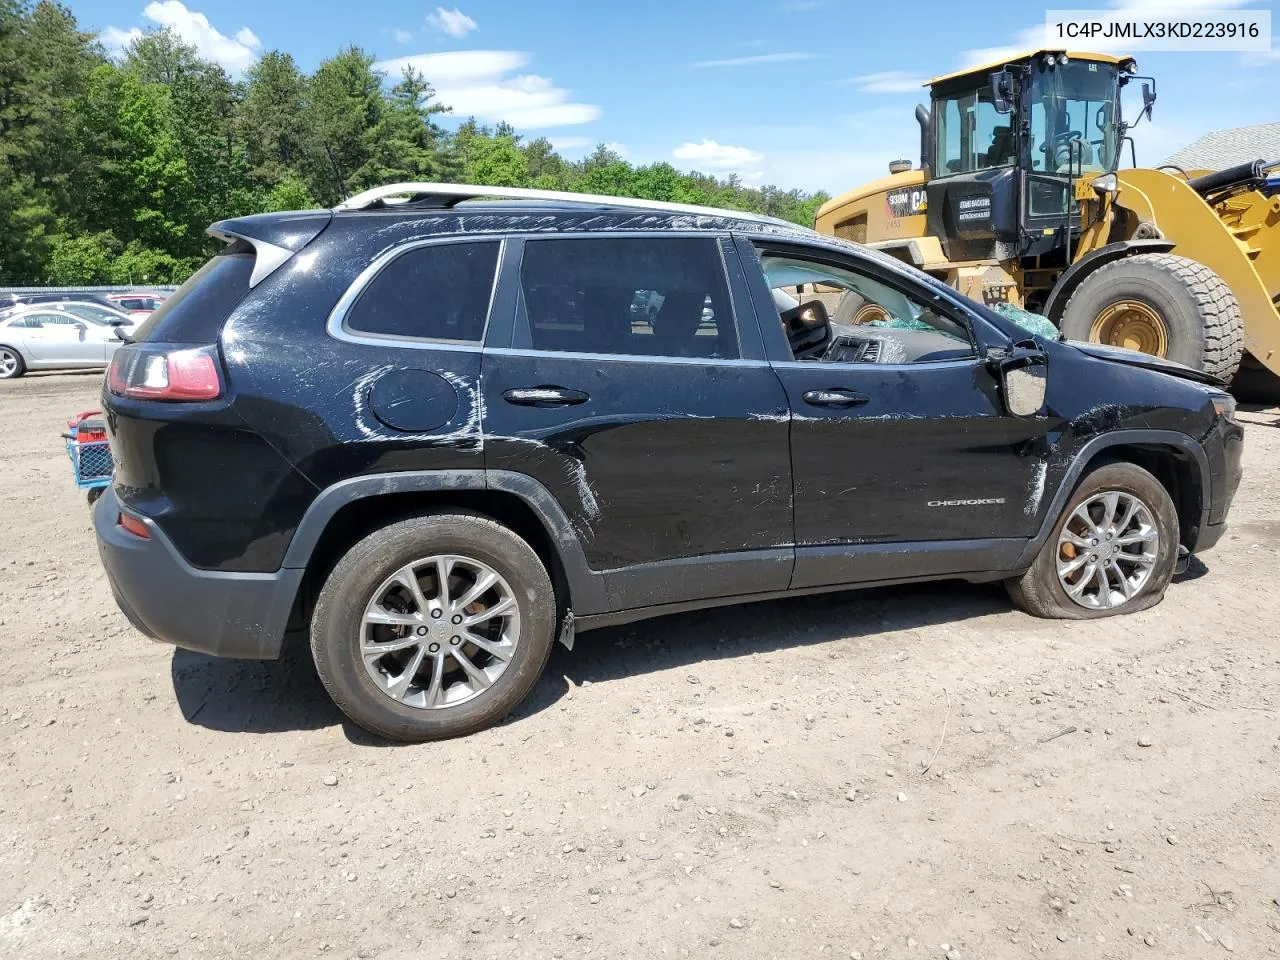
{"type": "Point", "coordinates": [1238, 238]}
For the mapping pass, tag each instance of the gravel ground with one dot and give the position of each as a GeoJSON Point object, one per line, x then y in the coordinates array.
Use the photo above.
{"type": "Point", "coordinates": [744, 782]}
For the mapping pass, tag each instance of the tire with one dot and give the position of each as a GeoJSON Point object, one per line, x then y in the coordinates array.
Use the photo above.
{"type": "Point", "coordinates": [1040, 591]}
{"type": "Point", "coordinates": [338, 627]}
{"type": "Point", "coordinates": [1205, 329]}
{"type": "Point", "coordinates": [12, 365]}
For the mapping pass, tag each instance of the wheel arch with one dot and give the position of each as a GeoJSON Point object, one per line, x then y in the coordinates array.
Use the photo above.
{"type": "Point", "coordinates": [1083, 268]}
{"type": "Point", "coordinates": [350, 510]}
{"type": "Point", "coordinates": [1175, 459]}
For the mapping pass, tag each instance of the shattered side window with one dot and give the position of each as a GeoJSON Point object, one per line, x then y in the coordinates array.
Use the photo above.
{"type": "Point", "coordinates": [661, 297]}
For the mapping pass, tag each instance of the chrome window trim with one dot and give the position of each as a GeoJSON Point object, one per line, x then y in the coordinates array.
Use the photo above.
{"type": "Point", "coordinates": [336, 325]}
{"type": "Point", "coordinates": [535, 354]}
{"type": "Point", "coordinates": [900, 367]}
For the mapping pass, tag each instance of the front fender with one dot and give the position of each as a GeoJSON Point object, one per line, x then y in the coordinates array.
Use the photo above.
{"type": "Point", "coordinates": [1075, 274]}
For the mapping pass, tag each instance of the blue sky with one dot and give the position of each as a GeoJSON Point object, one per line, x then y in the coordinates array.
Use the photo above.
{"type": "Point", "coordinates": [799, 93]}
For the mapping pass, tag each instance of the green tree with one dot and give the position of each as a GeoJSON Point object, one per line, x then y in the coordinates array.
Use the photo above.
{"type": "Point", "coordinates": [272, 119]}
{"type": "Point", "coordinates": [496, 161]}
{"type": "Point", "coordinates": [345, 105]}
{"type": "Point", "coordinates": [110, 171]}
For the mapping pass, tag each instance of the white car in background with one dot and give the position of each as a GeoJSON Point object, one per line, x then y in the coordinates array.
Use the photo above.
{"type": "Point", "coordinates": [56, 337]}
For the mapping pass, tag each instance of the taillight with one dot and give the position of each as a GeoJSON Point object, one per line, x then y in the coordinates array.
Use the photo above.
{"type": "Point", "coordinates": [150, 374]}
{"type": "Point", "coordinates": [133, 525]}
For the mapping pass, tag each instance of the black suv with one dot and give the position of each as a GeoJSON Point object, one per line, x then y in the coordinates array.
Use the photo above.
{"type": "Point", "coordinates": [431, 426]}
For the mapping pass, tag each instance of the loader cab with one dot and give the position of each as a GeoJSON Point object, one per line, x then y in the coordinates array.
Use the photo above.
{"type": "Point", "coordinates": [1008, 140]}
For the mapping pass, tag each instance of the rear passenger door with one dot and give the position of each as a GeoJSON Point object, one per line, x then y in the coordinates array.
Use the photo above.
{"type": "Point", "coordinates": [631, 392]}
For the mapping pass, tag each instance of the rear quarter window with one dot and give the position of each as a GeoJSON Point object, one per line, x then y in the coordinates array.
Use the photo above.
{"type": "Point", "coordinates": [197, 310]}
{"type": "Point", "coordinates": [440, 291]}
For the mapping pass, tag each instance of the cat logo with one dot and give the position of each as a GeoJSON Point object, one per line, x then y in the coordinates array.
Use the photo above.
{"type": "Point", "coordinates": [906, 202]}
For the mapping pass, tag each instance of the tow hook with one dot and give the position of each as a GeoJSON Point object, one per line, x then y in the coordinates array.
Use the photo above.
{"type": "Point", "coordinates": [1183, 561]}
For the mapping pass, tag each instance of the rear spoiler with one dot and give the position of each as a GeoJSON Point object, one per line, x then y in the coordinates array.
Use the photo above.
{"type": "Point", "coordinates": [275, 237]}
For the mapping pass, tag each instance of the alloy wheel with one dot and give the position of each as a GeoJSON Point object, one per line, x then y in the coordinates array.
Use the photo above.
{"type": "Point", "coordinates": [1107, 550]}
{"type": "Point", "coordinates": [439, 631]}
{"type": "Point", "coordinates": [8, 363]}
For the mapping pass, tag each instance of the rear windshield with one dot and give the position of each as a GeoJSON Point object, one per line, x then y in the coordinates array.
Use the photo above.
{"type": "Point", "coordinates": [197, 309]}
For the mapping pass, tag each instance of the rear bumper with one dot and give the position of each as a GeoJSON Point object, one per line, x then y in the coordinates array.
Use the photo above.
{"type": "Point", "coordinates": [223, 614]}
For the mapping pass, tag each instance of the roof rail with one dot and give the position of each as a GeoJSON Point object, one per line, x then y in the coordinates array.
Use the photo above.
{"type": "Point", "coordinates": [449, 194]}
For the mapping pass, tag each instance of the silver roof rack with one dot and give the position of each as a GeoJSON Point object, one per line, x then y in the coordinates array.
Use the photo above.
{"type": "Point", "coordinates": [449, 194]}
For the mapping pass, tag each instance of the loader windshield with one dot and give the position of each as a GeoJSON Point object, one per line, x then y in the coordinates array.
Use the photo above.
{"type": "Point", "coordinates": [1073, 117]}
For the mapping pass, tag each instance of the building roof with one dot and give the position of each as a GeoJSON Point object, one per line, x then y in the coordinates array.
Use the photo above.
{"type": "Point", "coordinates": [1220, 149]}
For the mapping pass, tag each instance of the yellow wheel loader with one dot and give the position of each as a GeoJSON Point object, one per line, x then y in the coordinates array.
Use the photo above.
{"type": "Point", "coordinates": [1019, 198]}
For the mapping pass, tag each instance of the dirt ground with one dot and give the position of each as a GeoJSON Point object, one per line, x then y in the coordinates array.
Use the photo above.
{"type": "Point", "coordinates": [742, 783]}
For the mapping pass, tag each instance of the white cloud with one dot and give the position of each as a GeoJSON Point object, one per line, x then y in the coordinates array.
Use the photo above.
{"type": "Point", "coordinates": [475, 83]}
{"type": "Point", "coordinates": [561, 144]}
{"type": "Point", "coordinates": [234, 53]}
{"type": "Point", "coordinates": [117, 41]}
{"type": "Point", "coordinates": [785, 57]}
{"type": "Point", "coordinates": [721, 159]}
{"type": "Point", "coordinates": [453, 22]}
{"type": "Point", "coordinates": [401, 35]}
{"type": "Point", "coordinates": [889, 81]}
{"type": "Point", "coordinates": [619, 148]}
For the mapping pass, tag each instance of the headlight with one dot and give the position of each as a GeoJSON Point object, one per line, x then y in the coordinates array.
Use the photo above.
{"type": "Point", "coordinates": [1224, 405]}
{"type": "Point", "coordinates": [1105, 183]}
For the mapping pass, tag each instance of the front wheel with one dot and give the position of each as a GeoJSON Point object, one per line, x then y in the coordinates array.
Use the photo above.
{"type": "Point", "coordinates": [433, 627]}
{"type": "Point", "coordinates": [1162, 304]}
{"type": "Point", "coordinates": [1112, 550]}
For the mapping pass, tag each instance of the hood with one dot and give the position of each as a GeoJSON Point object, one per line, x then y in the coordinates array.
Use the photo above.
{"type": "Point", "coordinates": [1135, 359]}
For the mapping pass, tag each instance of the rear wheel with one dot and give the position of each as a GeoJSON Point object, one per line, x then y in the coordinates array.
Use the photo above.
{"type": "Point", "coordinates": [433, 627]}
{"type": "Point", "coordinates": [1112, 550]}
{"type": "Point", "coordinates": [1161, 304]}
{"type": "Point", "coordinates": [11, 365]}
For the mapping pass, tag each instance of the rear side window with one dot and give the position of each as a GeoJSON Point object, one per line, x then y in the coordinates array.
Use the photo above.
{"type": "Point", "coordinates": [196, 312]}
{"type": "Point", "coordinates": [436, 292]}
{"type": "Point", "coordinates": [660, 297]}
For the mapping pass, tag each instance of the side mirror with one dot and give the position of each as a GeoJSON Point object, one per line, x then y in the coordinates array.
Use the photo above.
{"type": "Point", "coordinates": [1002, 91]}
{"type": "Point", "coordinates": [1148, 99]}
{"type": "Point", "coordinates": [1024, 379]}
{"type": "Point", "coordinates": [808, 328]}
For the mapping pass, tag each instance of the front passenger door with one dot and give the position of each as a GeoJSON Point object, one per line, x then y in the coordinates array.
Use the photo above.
{"type": "Point", "coordinates": [905, 462]}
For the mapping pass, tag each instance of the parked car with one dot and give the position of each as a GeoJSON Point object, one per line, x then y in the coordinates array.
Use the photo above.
{"type": "Point", "coordinates": [439, 441]}
{"type": "Point", "coordinates": [85, 310]}
{"type": "Point", "coordinates": [138, 303]}
{"type": "Point", "coordinates": [8, 300]}
{"type": "Point", "coordinates": [96, 314]}
{"type": "Point", "coordinates": [43, 337]}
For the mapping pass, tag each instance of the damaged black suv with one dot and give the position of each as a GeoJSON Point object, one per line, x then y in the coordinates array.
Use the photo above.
{"type": "Point", "coordinates": [441, 426]}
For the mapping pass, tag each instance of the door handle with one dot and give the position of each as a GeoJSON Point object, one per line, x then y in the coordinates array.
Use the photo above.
{"type": "Point", "coordinates": [835, 397]}
{"type": "Point", "coordinates": [544, 396]}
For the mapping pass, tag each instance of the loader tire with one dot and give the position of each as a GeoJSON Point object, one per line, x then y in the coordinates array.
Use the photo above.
{"type": "Point", "coordinates": [1162, 304]}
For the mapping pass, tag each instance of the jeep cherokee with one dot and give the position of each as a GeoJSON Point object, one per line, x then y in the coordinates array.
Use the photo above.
{"type": "Point", "coordinates": [431, 427]}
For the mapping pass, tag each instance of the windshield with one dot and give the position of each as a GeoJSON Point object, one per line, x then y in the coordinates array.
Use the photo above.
{"type": "Point", "coordinates": [1073, 122]}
